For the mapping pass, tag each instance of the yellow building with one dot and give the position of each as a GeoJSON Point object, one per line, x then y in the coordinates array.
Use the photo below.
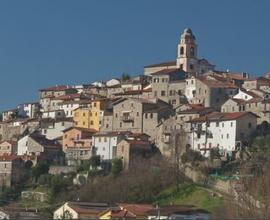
{"type": "Point", "coordinates": [90, 117]}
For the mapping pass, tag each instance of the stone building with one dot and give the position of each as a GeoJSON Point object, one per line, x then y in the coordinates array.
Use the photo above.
{"type": "Point", "coordinates": [10, 170]}
{"type": "Point", "coordinates": [169, 86]}
{"type": "Point", "coordinates": [174, 128]}
{"type": "Point", "coordinates": [138, 115]}
{"type": "Point", "coordinates": [133, 151]}
{"type": "Point", "coordinates": [209, 91]}
{"type": "Point", "coordinates": [8, 148]}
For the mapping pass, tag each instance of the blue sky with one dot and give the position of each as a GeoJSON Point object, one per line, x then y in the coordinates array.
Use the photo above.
{"type": "Point", "coordinates": [45, 43]}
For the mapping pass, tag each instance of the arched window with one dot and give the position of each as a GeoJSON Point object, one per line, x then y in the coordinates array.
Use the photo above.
{"type": "Point", "coordinates": [181, 50]}
{"type": "Point", "coordinates": [192, 51]}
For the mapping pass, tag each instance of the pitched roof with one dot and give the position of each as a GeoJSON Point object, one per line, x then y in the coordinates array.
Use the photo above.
{"type": "Point", "coordinates": [111, 133]}
{"type": "Point", "coordinates": [8, 157]}
{"type": "Point", "coordinates": [216, 83]}
{"type": "Point", "coordinates": [137, 209]}
{"type": "Point", "coordinates": [42, 140]}
{"type": "Point", "coordinates": [86, 130]}
{"type": "Point", "coordinates": [177, 209]}
{"type": "Point", "coordinates": [254, 95]}
{"type": "Point", "coordinates": [167, 72]}
{"type": "Point", "coordinates": [238, 101]}
{"type": "Point", "coordinates": [88, 208]}
{"type": "Point", "coordinates": [55, 88]}
{"type": "Point", "coordinates": [221, 116]}
{"type": "Point", "coordinates": [169, 63]}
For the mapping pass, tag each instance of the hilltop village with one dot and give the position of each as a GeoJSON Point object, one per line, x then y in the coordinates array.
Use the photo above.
{"type": "Point", "coordinates": [181, 107]}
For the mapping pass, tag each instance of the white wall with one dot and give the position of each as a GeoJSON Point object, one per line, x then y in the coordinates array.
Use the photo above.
{"type": "Point", "coordinates": [223, 136]}
{"type": "Point", "coordinates": [22, 147]}
{"type": "Point", "coordinates": [104, 146]}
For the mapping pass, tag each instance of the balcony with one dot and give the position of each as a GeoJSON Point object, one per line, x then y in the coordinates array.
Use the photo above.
{"type": "Point", "coordinates": [127, 118]}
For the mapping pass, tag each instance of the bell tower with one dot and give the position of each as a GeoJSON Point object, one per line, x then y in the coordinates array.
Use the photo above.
{"type": "Point", "coordinates": [187, 52]}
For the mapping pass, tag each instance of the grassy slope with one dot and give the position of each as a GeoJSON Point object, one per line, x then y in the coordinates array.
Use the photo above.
{"type": "Point", "coordinates": [190, 195]}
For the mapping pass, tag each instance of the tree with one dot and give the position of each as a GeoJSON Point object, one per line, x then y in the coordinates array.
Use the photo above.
{"type": "Point", "coordinates": [95, 161]}
{"type": "Point", "coordinates": [125, 76]}
{"type": "Point", "coordinates": [58, 183]}
{"type": "Point", "coordinates": [117, 166]}
{"type": "Point", "coordinates": [39, 169]}
{"type": "Point", "coordinates": [28, 164]}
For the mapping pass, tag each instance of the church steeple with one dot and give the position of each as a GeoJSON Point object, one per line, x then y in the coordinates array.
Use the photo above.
{"type": "Point", "coordinates": [187, 52]}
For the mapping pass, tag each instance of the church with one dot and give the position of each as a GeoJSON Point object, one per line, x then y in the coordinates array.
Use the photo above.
{"type": "Point", "coordinates": [186, 58]}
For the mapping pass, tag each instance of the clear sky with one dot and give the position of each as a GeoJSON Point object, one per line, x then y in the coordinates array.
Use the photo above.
{"type": "Point", "coordinates": [48, 42]}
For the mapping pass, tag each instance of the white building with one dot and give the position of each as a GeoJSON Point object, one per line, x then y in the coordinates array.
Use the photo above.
{"type": "Point", "coordinates": [69, 106]}
{"type": "Point", "coordinates": [225, 131]}
{"type": "Point", "coordinates": [53, 128]}
{"type": "Point", "coordinates": [245, 95]}
{"type": "Point", "coordinates": [29, 110]}
{"type": "Point", "coordinates": [105, 143]}
{"type": "Point", "coordinates": [53, 114]}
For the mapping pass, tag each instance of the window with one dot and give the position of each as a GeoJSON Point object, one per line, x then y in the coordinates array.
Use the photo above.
{"type": "Point", "coordinates": [249, 125]}
{"type": "Point", "coordinates": [105, 139]}
{"type": "Point", "coordinates": [181, 50]}
{"type": "Point", "coordinates": [191, 66]}
{"type": "Point", "coordinates": [231, 124]}
{"type": "Point", "coordinates": [116, 115]}
{"type": "Point", "coordinates": [222, 136]}
{"type": "Point", "coordinates": [217, 100]}
{"type": "Point", "coordinates": [217, 124]}
{"type": "Point", "coordinates": [171, 92]}
{"type": "Point", "coordinates": [84, 114]}
{"type": "Point", "coordinates": [120, 124]}
{"type": "Point", "coordinates": [210, 145]}
{"type": "Point", "coordinates": [151, 115]}
{"type": "Point", "coordinates": [63, 123]}
{"type": "Point", "coordinates": [163, 93]}
{"type": "Point", "coordinates": [83, 122]}
{"type": "Point", "coordinates": [138, 114]}
{"type": "Point", "coordinates": [155, 93]}
{"type": "Point", "coordinates": [146, 115]}
{"type": "Point", "coordinates": [95, 104]}
{"type": "Point", "coordinates": [192, 51]}
{"type": "Point", "coordinates": [91, 122]}
{"type": "Point", "coordinates": [223, 125]}
{"type": "Point", "coordinates": [228, 136]}
{"type": "Point", "coordinates": [181, 66]}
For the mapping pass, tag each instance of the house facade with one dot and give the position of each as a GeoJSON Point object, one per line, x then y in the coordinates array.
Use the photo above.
{"type": "Point", "coordinates": [225, 131]}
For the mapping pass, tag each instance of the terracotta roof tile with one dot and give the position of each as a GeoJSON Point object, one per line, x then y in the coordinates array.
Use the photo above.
{"type": "Point", "coordinates": [169, 63]}
{"type": "Point", "coordinates": [220, 116]}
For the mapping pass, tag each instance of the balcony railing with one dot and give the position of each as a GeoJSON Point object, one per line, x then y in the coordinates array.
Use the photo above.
{"type": "Point", "coordinates": [127, 118]}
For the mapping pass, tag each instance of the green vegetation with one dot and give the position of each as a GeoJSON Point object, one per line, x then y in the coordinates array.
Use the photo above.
{"type": "Point", "coordinates": [190, 194]}
{"type": "Point", "coordinates": [125, 76]}
{"type": "Point", "coordinates": [117, 166]}
{"type": "Point", "coordinates": [192, 157]}
{"type": "Point", "coordinates": [261, 144]}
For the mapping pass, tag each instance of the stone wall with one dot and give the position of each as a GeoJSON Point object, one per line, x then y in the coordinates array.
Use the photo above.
{"type": "Point", "coordinates": [36, 196]}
